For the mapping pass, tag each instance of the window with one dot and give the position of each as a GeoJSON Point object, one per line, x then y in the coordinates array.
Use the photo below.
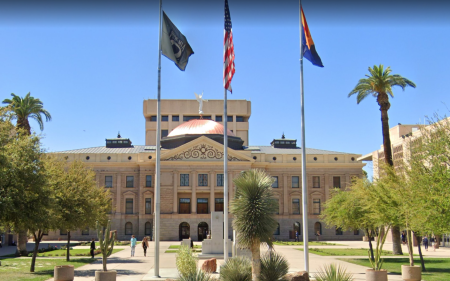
{"type": "Point", "coordinates": [184, 179]}
{"type": "Point", "coordinates": [153, 118]}
{"type": "Point", "coordinates": [165, 118]}
{"type": "Point", "coordinates": [202, 205]}
{"type": "Point", "coordinates": [296, 206]}
{"type": "Point", "coordinates": [337, 182]}
{"type": "Point", "coordinates": [148, 205]}
{"type": "Point", "coordinates": [295, 182]}
{"type": "Point", "coordinates": [218, 118]}
{"type": "Point", "coordinates": [129, 206]}
{"type": "Point", "coordinates": [277, 231]}
{"type": "Point", "coordinates": [202, 179]}
{"type": "Point", "coordinates": [239, 118]}
{"type": "Point", "coordinates": [108, 181]}
{"type": "Point", "coordinates": [130, 181]}
{"type": "Point", "coordinates": [62, 232]}
{"type": "Point", "coordinates": [339, 231]}
{"type": "Point", "coordinates": [148, 228]}
{"type": "Point", "coordinates": [316, 182]}
{"type": "Point", "coordinates": [175, 118]}
{"type": "Point", "coordinates": [316, 207]}
{"type": "Point", "coordinates": [219, 179]}
{"type": "Point", "coordinates": [318, 228]}
{"type": "Point", "coordinates": [148, 181]}
{"type": "Point", "coordinates": [128, 228]}
{"type": "Point", "coordinates": [229, 118]}
{"type": "Point", "coordinates": [297, 228]}
{"type": "Point", "coordinates": [355, 231]}
{"type": "Point", "coordinates": [185, 206]}
{"type": "Point", "coordinates": [164, 133]}
{"type": "Point", "coordinates": [218, 205]}
{"type": "Point", "coordinates": [85, 231]}
{"type": "Point", "coordinates": [275, 183]}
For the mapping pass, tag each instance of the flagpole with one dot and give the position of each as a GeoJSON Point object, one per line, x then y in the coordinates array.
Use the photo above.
{"type": "Point", "coordinates": [225, 178]}
{"type": "Point", "coordinates": [304, 182]}
{"type": "Point", "coordinates": [158, 154]}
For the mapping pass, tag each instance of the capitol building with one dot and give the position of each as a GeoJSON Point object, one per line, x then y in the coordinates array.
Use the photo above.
{"type": "Point", "coordinates": [192, 174]}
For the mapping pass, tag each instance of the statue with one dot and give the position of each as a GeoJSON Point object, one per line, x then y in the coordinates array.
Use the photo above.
{"type": "Point", "coordinates": [200, 103]}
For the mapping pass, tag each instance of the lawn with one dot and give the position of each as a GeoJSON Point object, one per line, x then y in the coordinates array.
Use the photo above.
{"type": "Point", "coordinates": [175, 248]}
{"type": "Point", "coordinates": [438, 269]}
{"type": "Point", "coordinates": [312, 243]}
{"type": "Point", "coordinates": [19, 269]}
{"type": "Point", "coordinates": [343, 252]}
{"type": "Point", "coordinates": [74, 252]}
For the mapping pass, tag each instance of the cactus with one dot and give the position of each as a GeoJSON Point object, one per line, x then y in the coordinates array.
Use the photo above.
{"type": "Point", "coordinates": [106, 242]}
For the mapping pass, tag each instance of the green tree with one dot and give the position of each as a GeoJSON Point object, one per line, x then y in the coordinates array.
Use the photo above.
{"type": "Point", "coordinates": [253, 209]}
{"type": "Point", "coordinates": [379, 85]}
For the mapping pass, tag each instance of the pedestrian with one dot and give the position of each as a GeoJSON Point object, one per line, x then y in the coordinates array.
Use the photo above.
{"type": "Point", "coordinates": [317, 235]}
{"type": "Point", "coordinates": [133, 245]}
{"type": "Point", "coordinates": [425, 242]}
{"type": "Point", "coordinates": [92, 247]}
{"type": "Point", "coordinates": [192, 242]}
{"type": "Point", "coordinates": [403, 237]}
{"type": "Point", "coordinates": [145, 245]}
{"type": "Point", "coordinates": [296, 237]}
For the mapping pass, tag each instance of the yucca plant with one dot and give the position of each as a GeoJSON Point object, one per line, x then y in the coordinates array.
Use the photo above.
{"type": "Point", "coordinates": [273, 267]}
{"type": "Point", "coordinates": [333, 272]}
{"type": "Point", "coordinates": [197, 275]}
{"type": "Point", "coordinates": [186, 262]}
{"type": "Point", "coordinates": [236, 269]}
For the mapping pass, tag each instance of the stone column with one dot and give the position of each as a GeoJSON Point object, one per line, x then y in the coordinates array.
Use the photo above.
{"type": "Point", "coordinates": [347, 180]}
{"type": "Point", "coordinates": [118, 194]}
{"type": "Point", "coordinates": [285, 194]}
{"type": "Point", "coordinates": [176, 176]}
{"type": "Point", "coordinates": [211, 191]}
{"type": "Point", "coordinates": [327, 186]}
{"type": "Point", "coordinates": [194, 192]}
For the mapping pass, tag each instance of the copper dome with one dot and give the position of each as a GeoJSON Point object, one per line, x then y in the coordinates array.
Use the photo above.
{"type": "Point", "coordinates": [199, 127]}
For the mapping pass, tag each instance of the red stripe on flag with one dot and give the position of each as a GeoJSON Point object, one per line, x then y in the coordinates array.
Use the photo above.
{"type": "Point", "coordinates": [228, 60]}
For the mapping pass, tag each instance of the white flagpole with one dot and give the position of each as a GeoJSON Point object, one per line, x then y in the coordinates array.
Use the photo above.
{"type": "Point", "coordinates": [158, 153]}
{"type": "Point", "coordinates": [225, 177]}
{"type": "Point", "coordinates": [304, 187]}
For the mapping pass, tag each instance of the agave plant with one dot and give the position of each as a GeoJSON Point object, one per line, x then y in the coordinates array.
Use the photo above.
{"type": "Point", "coordinates": [273, 267]}
{"type": "Point", "coordinates": [236, 269]}
{"type": "Point", "coordinates": [332, 272]}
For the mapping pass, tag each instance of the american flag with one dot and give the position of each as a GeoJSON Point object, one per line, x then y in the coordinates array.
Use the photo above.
{"type": "Point", "coordinates": [228, 51]}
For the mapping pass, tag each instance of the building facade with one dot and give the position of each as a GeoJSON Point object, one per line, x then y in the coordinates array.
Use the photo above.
{"type": "Point", "coordinates": [192, 174]}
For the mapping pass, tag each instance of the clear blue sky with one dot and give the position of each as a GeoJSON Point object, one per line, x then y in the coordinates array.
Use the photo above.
{"type": "Point", "coordinates": [92, 63]}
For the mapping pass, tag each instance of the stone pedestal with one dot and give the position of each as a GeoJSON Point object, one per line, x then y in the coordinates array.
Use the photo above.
{"type": "Point", "coordinates": [214, 246]}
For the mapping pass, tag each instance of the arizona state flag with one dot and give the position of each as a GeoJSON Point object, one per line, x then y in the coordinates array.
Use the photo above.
{"type": "Point", "coordinates": [309, 50]}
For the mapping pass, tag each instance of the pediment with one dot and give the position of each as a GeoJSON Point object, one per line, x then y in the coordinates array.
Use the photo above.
{"type": "Point", "coordinates": [202, 149]}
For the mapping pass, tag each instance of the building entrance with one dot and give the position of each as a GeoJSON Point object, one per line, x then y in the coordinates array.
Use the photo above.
{"type": "Point", "coordinates": [202, 231]}
{"type": "Point", "coordinates": [185, 231]}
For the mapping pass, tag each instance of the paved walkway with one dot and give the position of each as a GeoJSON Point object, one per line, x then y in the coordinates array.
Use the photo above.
{"type": "Point", "coordinates": [141, 268]}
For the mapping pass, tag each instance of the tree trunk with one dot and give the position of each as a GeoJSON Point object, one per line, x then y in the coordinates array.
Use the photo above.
{"type": "Point", "coordinates": [22, 123]}
{"type": "Point", "coordinates": [37, 240]}
{"type": "Point", "coordinates": [410, 244]}
{"type": "Point", "coordinates": [419, 238]}
{"type": "Point", "coordinates": [396, 241]}
{"type": "Point", "coordinates": [370, 245]}
{"type": "Point", "coordinates": [68, 247]}
{"type": "Point", "coordinates": [22, 239]}
{"type": "Point", "coordinates": [256, 260]}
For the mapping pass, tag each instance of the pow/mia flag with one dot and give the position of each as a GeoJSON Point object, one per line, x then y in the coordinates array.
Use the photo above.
{"type": "Point", "coordinates": [174, 45]}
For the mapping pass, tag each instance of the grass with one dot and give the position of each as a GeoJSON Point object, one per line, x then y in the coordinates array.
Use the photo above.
{"type": "Point", "coordinates": [438, 269]}
{"type": "Point", "coordinates": [73, 253]}
{"type": "Point", "coordinates": [175, 248]}
{"type": "Point", "coordinates": [19, 269]}
{"type": "Point", "coordinates": [312, 243]}
{"type": "Point", "coordinates": [343, 252]}
{"type": "Point", "coordinates": [117, 243]}
{"type": "Point", "coordinates": [179, 246]}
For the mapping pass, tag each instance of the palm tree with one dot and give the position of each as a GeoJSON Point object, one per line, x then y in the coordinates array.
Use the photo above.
{"type": "Point", "coordinates": [253, 209]}
{"type": "Point", "coordinates": [28, 107]}
{"type": "Point", "coordinates": [379, 84]}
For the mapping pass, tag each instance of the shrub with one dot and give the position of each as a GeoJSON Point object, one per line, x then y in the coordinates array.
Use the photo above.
{"type": "Point", "coordinates": [332, 272]}
{"type": "Point", "coordinates": [236, 269]}
{"type": "Point", "coordinates": [273, 267]}
{"type": "Point", "coordinates": [198, 275]}
{"type": "Point", "coordinates": [49, 255]}
{"type": "Point", "coordinates": [186, 262]}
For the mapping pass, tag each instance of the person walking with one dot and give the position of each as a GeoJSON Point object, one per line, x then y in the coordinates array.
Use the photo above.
{"type": "Point", "coordinates": [317, 235]}
{"type": "Point", "coordinates": [92, 247]}
{"type": "Point", "coordinates": [403, 238]}
{"type": "Point", "coordinates": [133, 245]}
{"type": "Point", "coordinates": [145, 245]}
{"type": "Point", "coordinates": [425, 242]}
{"type": "Point", "coordinates": [296, 237]}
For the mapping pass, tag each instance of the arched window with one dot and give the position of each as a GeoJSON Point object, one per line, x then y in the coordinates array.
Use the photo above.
{"type": "Point", "coordinates": [318, 228]}
{"type": "Point", "coordinates": [185, 231]}
{"type": "Point", "coordinates": [339, 231]}
{"type": "Point", "coordinates": [202, 231]}
{"type": "Point", "coordinates": [297, 227]}
{"type": "Point", "coordinates": [148, 228]}
{"type": "Point", "coordinates": [128, 228]}
{"type": "Point", "coordinates": [277, 231]}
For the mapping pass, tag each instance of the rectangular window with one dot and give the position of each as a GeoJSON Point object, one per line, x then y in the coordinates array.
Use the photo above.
{"type": "Point", "coordinates": [275, 183]}
{"type": "Point", "coordinates": [202, 179]}
{"type": "Point", "coordinates": [229, 118]}
{"type": "Point", "coordinates": [218, 205]}
{"type": "Point", "coordinates": [153, 119]}
{"type": "Point", "coordinates": [296, 206]}
{"type": "Point", "coordinates": [108, 181]}
{"type": "Point", "coordinates": [175, 118]}
{"type": "Point", "coordinates": [316, 182]}
{"type": "Point", "coordinates": [218, 118]}
{"type": "Point", "coordinates": [184, 179]}
{"type": "Point", "coordinates": [295, 182]}
{"type": "Point", "coordinates": [185, 206]}
{"type": "Point", "coordinates": [239, 118]}
{"type": "Point", "coordinates": [62, 232]}
{"type": "Point", "coordinates": [164, 118]}
{"type": "Point", "coordinates": [148, 181]}
{"type": "Point", "coordinates": [129, 206]}
{"type": "Point", "coordinates": [337, 182]}
{"type": "Point", "coordinates": [355, 231]}
{"type": "Point", "coordinates": [219, 179]}
{"type": "Point", "coordinates": [188, 118]}
{"type": "Point", "coordinates": [85, 231]}
{"type": "Point", "coordinates": [164, 133]}
{"type": "Point", "coordinates": [148, 205]}
{"type": "Point", "coordinates": [130, 181]}
{"type": "Point", "coordinates": [316, 206]}
{"type": "Point", "coordinates": [202, 205]}
{"type": "Point", "coordinates": [339, 231]}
